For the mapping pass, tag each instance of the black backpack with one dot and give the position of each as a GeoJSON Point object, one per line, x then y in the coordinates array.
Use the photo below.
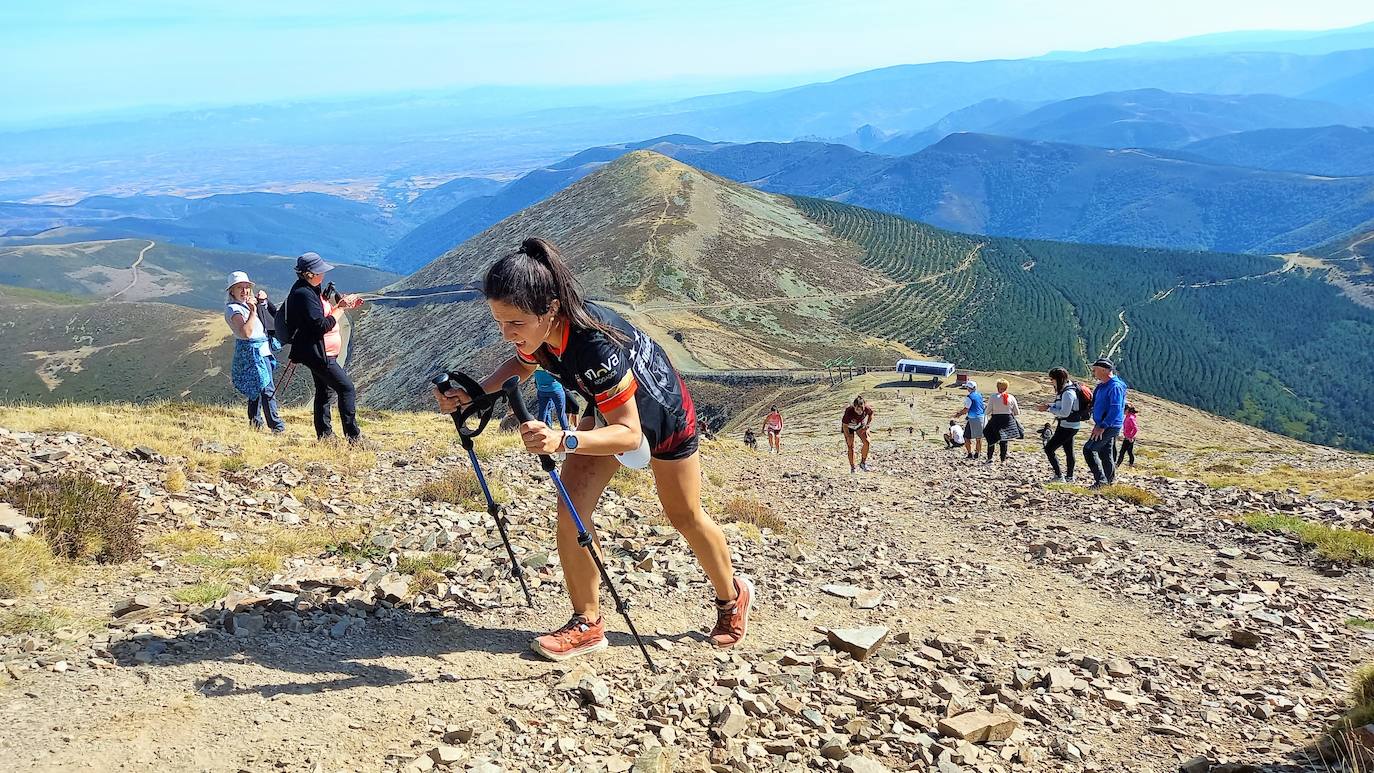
{"type": "Point", "coordinates": [1085, 402]}
{"type": "Point", "coordinates": [280, 330]}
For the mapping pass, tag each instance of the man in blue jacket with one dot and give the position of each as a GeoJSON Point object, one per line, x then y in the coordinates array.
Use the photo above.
{"type": "Point", "coordinates": [1109, 413]}
{"type": "Point", "coordinates": [307, 325]}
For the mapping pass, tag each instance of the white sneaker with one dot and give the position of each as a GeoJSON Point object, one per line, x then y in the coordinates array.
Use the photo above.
{"type": "Point", "coordinates": [1056, 479]}
{"type": "Point", "coordinates": [863, 466]}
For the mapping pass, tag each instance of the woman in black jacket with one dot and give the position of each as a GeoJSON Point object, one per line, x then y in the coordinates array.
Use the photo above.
{"type": "Point", "coordinates": [307, 324]}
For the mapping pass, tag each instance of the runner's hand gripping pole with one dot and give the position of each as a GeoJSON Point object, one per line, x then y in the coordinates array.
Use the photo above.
{"type": "Point", "coordinates": [584, 538]}
{"type": "Point", "coordinates": [470, 420]}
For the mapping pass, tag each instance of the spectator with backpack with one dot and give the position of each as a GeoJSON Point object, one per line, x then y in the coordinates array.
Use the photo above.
{"type": "Point", "coordinates": [1109, 414]}
{"type": "Point", "coordinates": [306, 321]}
{"type": "Point", "coordinates": [1071, 407]}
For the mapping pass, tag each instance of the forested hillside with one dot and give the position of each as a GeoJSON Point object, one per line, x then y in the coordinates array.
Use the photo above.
{"type": "Point", "coordinates": [1214, 330]}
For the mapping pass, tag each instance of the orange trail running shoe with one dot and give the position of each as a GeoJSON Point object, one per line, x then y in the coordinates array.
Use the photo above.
{"type": "Point", "coordinates": [732, 619]}
{"type": "Point", "coordinates": [578, 637]}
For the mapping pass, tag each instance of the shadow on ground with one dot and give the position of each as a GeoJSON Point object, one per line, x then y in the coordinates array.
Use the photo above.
{"type": "Point", "coordinates": [353, 658]}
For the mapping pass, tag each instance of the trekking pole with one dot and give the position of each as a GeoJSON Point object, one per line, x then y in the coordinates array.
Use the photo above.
{"type": "Point", "coordinates": [584, 538]}
{"type": "Point", "coordinates": [286, 375]}
{"type": "Point", "coordinates": [482, 407]}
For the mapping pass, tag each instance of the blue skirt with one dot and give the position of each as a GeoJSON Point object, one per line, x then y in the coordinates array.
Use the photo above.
{"type": "Point", "coordinates": [252, 370]}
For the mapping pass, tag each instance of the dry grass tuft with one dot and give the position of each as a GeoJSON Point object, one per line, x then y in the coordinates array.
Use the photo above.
{"type": "Point", "coordinates": [182, 430]}
{"type": "Point", "coordinates": [1333, 544]}
{"type": "Point", "coordinates": [258, 555]}
{"type": "Point", "coordinates": [459, 486]}
{"type": "Point", "coordinates": [80, 517]}
{"type": "Point", "coordinates": [187, 540]}
{"type": "Point", "coordinates": [202, 592]}
{"type": "Point", "coordinates": [22, 561]}
{"type": "Point", "coordinates": [1121, 491]}
{"type": "Point", "coordinates": [43, 621]}
{"type": "Point", "coordinates": [743, 510]}
{"type": "Point", "coordinates": [633, 484]}
{"type": "Point", "coordinates": [175, 479]}
{"type": "Point", "coordinates": [425, 562]}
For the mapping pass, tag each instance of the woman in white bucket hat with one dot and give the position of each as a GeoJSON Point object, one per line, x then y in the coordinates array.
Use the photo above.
{"type": "Point", "coordinates": [253, 349]}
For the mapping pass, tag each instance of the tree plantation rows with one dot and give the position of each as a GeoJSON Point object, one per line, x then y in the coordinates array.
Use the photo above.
{"type": "Point", "coordinates": [1274, 350]}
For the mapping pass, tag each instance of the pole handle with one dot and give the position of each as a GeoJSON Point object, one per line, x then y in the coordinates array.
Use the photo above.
{"type": "Point", "coordinates": [522, 414]}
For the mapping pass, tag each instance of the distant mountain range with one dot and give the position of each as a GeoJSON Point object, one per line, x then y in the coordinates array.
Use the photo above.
{"type": "Point", "coordinates": [283, 224]}
{"type": "Point", "coordinates": [988, 184]}
{"type": "Point", "coordinates": [170, 273]}
{"type": "Point", "coordinates": [1337, 151]}
{"type": "Point", "coordinates": [727, 276]}
{"type": "Point", "coordinates": [404, 137]}
{"type": "Point", "coordinates": [1142, 118]}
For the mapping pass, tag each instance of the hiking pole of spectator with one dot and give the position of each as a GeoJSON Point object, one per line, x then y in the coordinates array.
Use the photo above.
{"type": "Point", "coordinates": [584, 538]}
{"type": "Point", "coordinates": [287, 374]}
{"type": "Point", "coordinates": [482, 408]}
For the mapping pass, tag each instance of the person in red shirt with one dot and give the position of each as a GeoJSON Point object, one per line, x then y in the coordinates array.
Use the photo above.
{"type": "Point", "coordinates": [858, 417]}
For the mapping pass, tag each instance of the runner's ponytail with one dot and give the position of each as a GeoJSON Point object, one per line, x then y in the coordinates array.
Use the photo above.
{"type": "Point", "coordinates": [533, 277]}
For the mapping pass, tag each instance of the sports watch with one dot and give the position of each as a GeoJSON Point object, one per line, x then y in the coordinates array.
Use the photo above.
{"type": "Point", "coordinates": [569, 441]}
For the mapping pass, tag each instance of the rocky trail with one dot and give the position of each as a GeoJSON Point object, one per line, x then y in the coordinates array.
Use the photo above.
{"type": "Point", "coordinates": [936, 614]}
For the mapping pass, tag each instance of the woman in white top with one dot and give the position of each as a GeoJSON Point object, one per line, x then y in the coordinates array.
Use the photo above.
{"type": "Point", "coordinates": [1068, 410]}
{"type": "Point", "coordinates": [253, 363]}
{"type": "Point", "coordinates": [1002, 424]}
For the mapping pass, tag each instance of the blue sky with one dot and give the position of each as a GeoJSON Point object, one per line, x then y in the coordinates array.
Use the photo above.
{"type": "Point", "coordinates": [65, 57]}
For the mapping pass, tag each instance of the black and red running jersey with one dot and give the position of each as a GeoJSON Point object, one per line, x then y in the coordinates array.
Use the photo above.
{"type": "Point", "coordinates": [609, 374]}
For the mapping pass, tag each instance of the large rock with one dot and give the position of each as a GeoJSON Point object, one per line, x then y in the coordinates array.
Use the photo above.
{"type": "Point", "coordinates": [860, 643]}
{"type": "Point", "coordinates": [979, 726]}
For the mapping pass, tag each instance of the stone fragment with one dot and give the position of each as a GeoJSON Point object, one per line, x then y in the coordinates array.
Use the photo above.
{"type": "Point", "coordinates": [137, 607]}
{"type": "Point", "coordinates": [843, 591]}
{"type": "Point", "coordinates": [860, 643]}
{"type": "Point", "coordinates": [856, 763]}
{"type": "Point", "coordinates": [979, 726]}
{"type": "Point", "coordinates": [11, 522]}
{"type": "Point", "coordinates": [244, 624]}
{"type": "Point", "coordinates": [1196, 765]}
{"type": "Point", "coordinates": [654, 760]}
{"type": "Point", "coordinates": [594, 691]}
{"type": "Point", "coordinates": [731, 721]}
{"type": "Point", "coordinates": [394, 587]}
{"type": "Point", "coordinates": [446, 755]}
{"type": "Point", "coordinates": [1246, 638]}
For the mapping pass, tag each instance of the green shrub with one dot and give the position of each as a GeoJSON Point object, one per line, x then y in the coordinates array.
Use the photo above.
{"type": "Point", "coordinates": [80, 518]}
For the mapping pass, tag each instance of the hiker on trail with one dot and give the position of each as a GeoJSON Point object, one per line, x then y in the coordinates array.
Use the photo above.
{"type": "Point", "coordinates": [976, 411]}
{"type": "Point", "coordinates": [858, 417]}
{"type": "Point", "coordinates": [551, 402]}
{"type": "Point", "coordinates": [1003, 425]}
{"type": "Point", "coordinates": [954, 436]}
{"type": "Point", "coordinates": [1109, 414]}
{"type": "Point", "coordinates": [253, 363]}
{"type": "Point", "coordinates": [641, 404]}
{"type": "Point", "coordinates": [1129, 429]}
{"type": "Point", "coordinates": [312, 328]}
{"type": "Point", "coordinates": [772, 427]}
{"type": "Point", "coordinates": [1071, 407]}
